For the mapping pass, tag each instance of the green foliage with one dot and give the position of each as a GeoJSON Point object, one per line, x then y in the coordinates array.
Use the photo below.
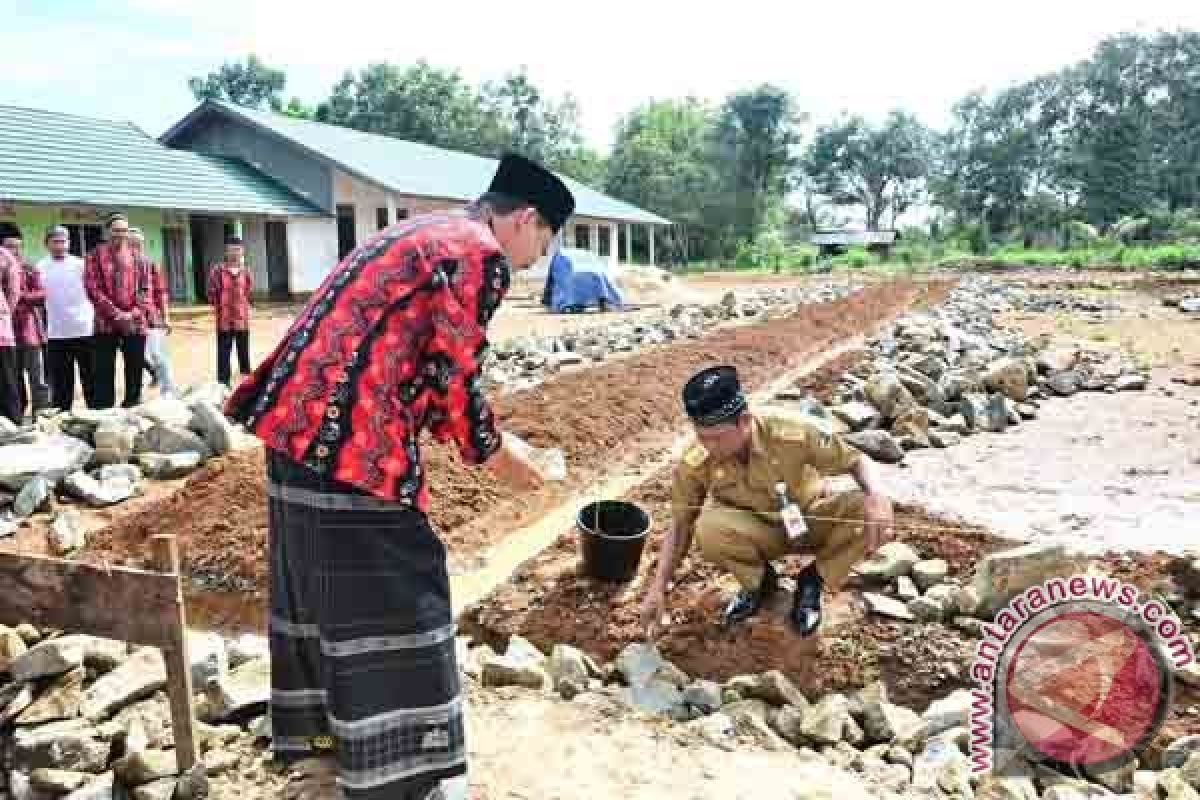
{"type": "Point", "coordinates": [252, 84]}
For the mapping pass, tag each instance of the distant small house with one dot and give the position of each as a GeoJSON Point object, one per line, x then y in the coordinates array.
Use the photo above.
{"type": "Point", "coordinates": [835, 243]}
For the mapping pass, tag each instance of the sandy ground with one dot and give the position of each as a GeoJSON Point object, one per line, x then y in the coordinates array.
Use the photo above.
{"type": "Point", "coordinates": [1103, 471]}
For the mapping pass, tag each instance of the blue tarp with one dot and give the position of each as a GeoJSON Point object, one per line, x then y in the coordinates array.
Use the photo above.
{"type": "Point", "coordinates": [580, 283]}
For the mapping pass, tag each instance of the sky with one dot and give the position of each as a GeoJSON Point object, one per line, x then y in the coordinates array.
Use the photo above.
{"type": "Point", "coordinates": [130, 59]}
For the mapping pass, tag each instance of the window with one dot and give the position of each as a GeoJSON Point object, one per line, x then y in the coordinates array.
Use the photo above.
{"type": "Point", "coordinates": [381, 218]}
{"type": "Point", "coordinates": [603, 233]}
{"type": "Point", "coordinates": [582, 234]}
{"type": "Point", "coordinates": [345, 230]}
{"type": "Point", "coordinates": [401, 213]}
{"type": "Point", "coordinates": [83, 238]}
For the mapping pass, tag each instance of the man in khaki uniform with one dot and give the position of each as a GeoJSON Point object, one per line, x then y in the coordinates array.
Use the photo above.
{"type": "Point", "coordinates": [738, 460]}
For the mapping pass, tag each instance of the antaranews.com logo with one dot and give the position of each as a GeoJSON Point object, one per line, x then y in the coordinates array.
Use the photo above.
{"type": "Point", "coordinates": [1075, 672]}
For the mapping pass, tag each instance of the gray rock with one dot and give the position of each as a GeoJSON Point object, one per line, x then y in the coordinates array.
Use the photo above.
{"type": "Point", "coordinates": [887, 392]}
{"type": "Point", "coordinates": [1190, 305]}
{"type": "Point", "coordinates": [1006, 788]}
{"type": "Point", "coordinates": [103, 655]}
{"type": "Point", "coordinates": [890, 561]}
{"type": "Point", "coordinates": [881, 446]}
{"type": "Point", "coordinates": [16, 698]}
{"type": "Point", "coordinates": [771, 687]}
{"type": "Point", "coordinates": [171, 440]}
{"type": "Point", "coordinates": [788, 722]}
{"type": "Point", "coordinates": [61, 700]}
{"type": "Point", "coordinates": [193, 785]}
{"type": "Point", "coordinates": [28, 634]}
{"type": "Point", "coordinates": [210, 660]}
{"type": "Point", "coordinates": [248, 647]}
{"type": "Point", "coordinates": [48, 659]}
{"type": "Point", "coordinates": [857, 416]}
{"type": "Point", "coordinates": [58, 781]}
{"type": "Point", "coordinates": [140, 676]}
{"type": "Point", "coordinates": [1058, 360]}
{"type": "Point", "coordinates": [944, 438]}
{"type": "Point", "coordinates": [887, 606]}
{"type": "Point", "coordinates": [657, 696]}
{"type": "Point", "coordinates": [1131, 383]}
{"type": "Point", "coordinates": [639, 662]}
{"type": "Point", "coordinates": [1026, 411]}
{"type": "Point", "coordinates": [949, 712]}
{"type": "Point", "coordinates": [716, 729]}
{"type": "Point", "coordinates": [12, 647]}
{"type": "Point", "coordinates": [995, 415]}
{"type": "Point", "coordinates": [906, 590]}
{"type": "Point", "coordinates": [750, 720]}
{"type": "Point", "coordinates": [52, 457]}
{"type": "Point", "coordinates": [1063, 384]}
{"type": "Point", "coordinates": [158, 790]}
{"type": "Point", "coordinates": [930, 573]}
{"type": "Point", "coordinates": [243, 691]}
{"type": "Point", "coordinates": [32, 497]}
{"type": "Point", "coordinates": [927, 609]}
{"type": "Point", "coordinates": [144, 766]}
{"type": "Point", "coordinates": [102, 788]}
{"type": "Point", "coordinates": [60, 745]}
{"type": "Point", "coordinates": [1173, 786]}
{"type": "Point", "coordinates": [825, 723]}
{"type": "Point", "coordinates": [704, 696]}
{"type": "Point", "coordinates": [219, 433]}
{"type": "Point", "coordinates": [1001, 576]}
{"type": "Point", "coordinates": [114, 442]}
{"type": "Point", "coordinates": [568, 670]}
{"type": "Point", "coordinates": [94, 493]}
{"type": "Point", "coordinates": [67, 533]}
{"type": "Point", "coordinates": [165, 467]}
{"type": "Point", "coordinates": [165, 410]}
{"type": "Point", "coordinates": [219, 761]}
{"type": "Point", "coordinates": [887, 723]}
{"type": "Point", "coordinates": [1007, 376]}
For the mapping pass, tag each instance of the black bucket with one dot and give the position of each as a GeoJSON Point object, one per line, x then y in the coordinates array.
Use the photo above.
{"type": "Point", "coordinates": [612, 534]}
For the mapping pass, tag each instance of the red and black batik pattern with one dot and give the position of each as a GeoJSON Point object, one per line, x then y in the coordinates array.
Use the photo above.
{"type": "Point", "coordinates": [392, 343]}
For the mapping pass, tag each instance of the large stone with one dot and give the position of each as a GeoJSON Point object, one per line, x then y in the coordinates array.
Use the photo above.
{"type": "Point", "coordinates": [157, 790]}
{"type": "Point", "coordinates": [1172, 785]}
{"type": "Point", "coordinates": [15, 698]}
{"type": "Point", "coordinates": [568, 670]}
{"type": "Point", "coordinates": [949, 712]}
{"type": "Point", "coordinates": [1064, 384]}
{"type": "Point", "coordinates": [52, 457]}
{"type": "Point", "coordinates": [115, 442]}
{"type": "Point", "coordinates": [912, 425]}
{"type": "Point", "coordinates": [930, 573]}
{"type": "Point", "coordinates": [771, 687]}
{"type": "Point", "coordinates": [12, 646]}
{"type": "Point", "coordinates": [1001, 576]}
{"type": "Point", "coordinates": [887, 606]}
{"type": "Point", "coordinates": [32, 497]}
{"type": "Point", "coordinates": [219, 433]}
{"type": "Point", "coordinates": [1008, 377]}
{"type": "Point", "coordinates": [1006, 788]}
{"type": "Point", "coordinates": [788, 722]}
{"type": "Point", "coordinates": [102, 788]}
{"type": "Point", "coordinates": [944, 438]}
{"type": "Point", "coordinates": [144, 766]}
{"type": "Point", "coordinates": [995, 417]}
{"type": "Point", "coordinates": [639, 662]}
{"type": "Point", "coordinates": [244, 691]}
{"type": "Point", "coordinates": [657, 696]}
{"type": "Point", "coordinates": [58, 781]}
{"type": "Point", "coordinates": [1131, 383]}
{"type": "Point", "coordinates": [91, 491]}
{"type": "Point", "coordinates": [906, 590]}
{"type": "Point", "coordinates": [62, 700]}
{"type": "Point", "coordinates": [210, 660]}
{"type": "Point", "coordinates": [1180, 750]}
{"type": "Point", "coordinates": [881, 446]}
{"type": "Point", "coordinates": [171, 440]}
{"type": "Point", "coordinates": [704, 696]}
{"type": "Point", "coordinates": [60, 745]}
{"type": "Point", "coordinates": [857, 416]}
{"type": "Point", "coordinates": [927, 609]}
{"type": "Point", "coordinates": [1058, 360]}
{"type": "Point", "coordinates": [1191, 770]}
{"type": "Point", "coordinates": [103, 655]}
{"type": "Point", "coordinates": [67, 533]}
{"type": "Point", "coordinates": [165, 410]}
{"type": "Point", "coordinates": [248, 647]}
{"type": "Point", "coordinates": [887, 393]}
{"type": "Point", "coordinates": [165, 467]}
{"type": "Point", "coordinates": [48, 659]}
{"type": "Point", "coordinates": [717, 730]}
{"type": "Point", "coordinates": [890, 561]}
{"type": "Point", "coordinates": [887, 723]}
{"type": "Point", "coordinates": [140, 676]}
{"type": "Point", "coordinates": [825, 723]}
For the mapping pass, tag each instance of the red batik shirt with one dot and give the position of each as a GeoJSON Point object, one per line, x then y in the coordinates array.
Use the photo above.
{"type": "Point", "coordinates": [160, 297]}
{"type": "Point", "coordinates": [10, 296]}
{"type": "Point", "coordinates": [29, 323]}
{"type": "Point", "coordinates": [230, 294]}
{"type": "Point", "coordinates": [119, 289]}
{"type": "Point", "coordinates": [391, 343]}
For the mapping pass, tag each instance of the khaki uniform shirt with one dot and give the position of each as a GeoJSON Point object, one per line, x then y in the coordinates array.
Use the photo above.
{"type": "Point", "coordinates": [784, 447]}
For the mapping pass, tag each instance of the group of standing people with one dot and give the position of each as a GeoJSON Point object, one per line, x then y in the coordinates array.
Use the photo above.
{"type": "Point", "coordinates": [66, 317]}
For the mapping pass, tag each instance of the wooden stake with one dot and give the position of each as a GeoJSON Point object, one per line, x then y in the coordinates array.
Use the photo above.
{"type": "Point", "coordinates": [179, 671]}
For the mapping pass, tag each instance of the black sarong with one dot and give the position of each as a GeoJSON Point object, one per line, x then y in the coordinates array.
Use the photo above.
{"type": "Point", "coordinates": [362, 637]}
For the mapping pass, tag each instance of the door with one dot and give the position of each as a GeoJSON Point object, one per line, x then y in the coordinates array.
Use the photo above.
{"type": "Point", "coordinates": [175, 263]}
{"type": "Point", "coordinates": [277, 260]}
{"type": "Point", "coordinates": [345, 228]}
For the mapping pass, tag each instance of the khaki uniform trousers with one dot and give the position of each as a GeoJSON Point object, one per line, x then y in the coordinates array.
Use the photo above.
{"type": "Point", "coordinates": [743, 542]}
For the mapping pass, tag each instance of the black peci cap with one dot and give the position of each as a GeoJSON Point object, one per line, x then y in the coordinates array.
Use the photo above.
{"type": "Point", "coordinates": [522, 179]}
{"type": "Point", "coordinates": [713, 396]}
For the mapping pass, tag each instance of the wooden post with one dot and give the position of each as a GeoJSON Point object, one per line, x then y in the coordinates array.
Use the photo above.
{"type": "Point", "coordinates": [179, 670]}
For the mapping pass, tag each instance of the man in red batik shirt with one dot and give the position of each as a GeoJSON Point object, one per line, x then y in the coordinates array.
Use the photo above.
{"type": "Point", "coordinates": [118, 284]}
{"type": "Point", "coordinates": [362, 635]}
{"type": "Point", "coordinates": [29, 329]}
{"type": "Point", "coordinates": [11, 284]}
{"type": "Point", "coordinates": [229, 286]}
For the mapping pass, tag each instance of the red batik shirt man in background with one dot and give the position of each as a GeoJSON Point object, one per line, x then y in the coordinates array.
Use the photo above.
{"type": "Point", "coordinates": [10, 371]}
{"type": "Point", "coordinates": [29, 329]}
{"type": "Point", "coordinates": [362, 634]}
{"type": "Point", "coordinates": [229, 286]}
{"type": "Point", "coordinates": [118, 284]}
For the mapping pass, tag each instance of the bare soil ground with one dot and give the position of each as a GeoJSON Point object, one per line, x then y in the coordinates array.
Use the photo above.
{"type": "Point", "coordinates": [596, 416]}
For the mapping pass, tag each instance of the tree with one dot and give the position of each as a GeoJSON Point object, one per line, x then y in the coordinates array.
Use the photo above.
{"type": "Point", "coordinates": [661, 161]}
{"type": "Point", "coordinates": [880, 168]}
{"type": "Point", "coordinates": [252, 84]}
{"type": "Point", "coordinates": [754, 144]}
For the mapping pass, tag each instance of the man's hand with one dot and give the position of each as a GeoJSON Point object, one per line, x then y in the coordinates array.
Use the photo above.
{"type": "Point", "coordinates": [511, 466]}
{"type": "Point", "coordinates": [652, 609]}
{"type": "Point", "coordinates": [877, 514]}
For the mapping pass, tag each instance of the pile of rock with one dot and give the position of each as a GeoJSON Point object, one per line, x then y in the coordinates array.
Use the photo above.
{"type": "Point", "coordinates": [87, 718]}
{"type": "Point", "coordinates": [526, 360]}
{"type": "Point", "coordinates": [100, 458]}
{"type": "Point", "coordinates": [952, 372]}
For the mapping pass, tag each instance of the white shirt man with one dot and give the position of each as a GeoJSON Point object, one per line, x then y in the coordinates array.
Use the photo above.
{"type": "Point", "coordinates": [70, 321]}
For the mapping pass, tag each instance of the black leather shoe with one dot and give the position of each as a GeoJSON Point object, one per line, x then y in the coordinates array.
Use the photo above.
{"type": "Point", "coordinates": [806, 603]}
{"type": "Point", "coordinates": [748, 602]}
